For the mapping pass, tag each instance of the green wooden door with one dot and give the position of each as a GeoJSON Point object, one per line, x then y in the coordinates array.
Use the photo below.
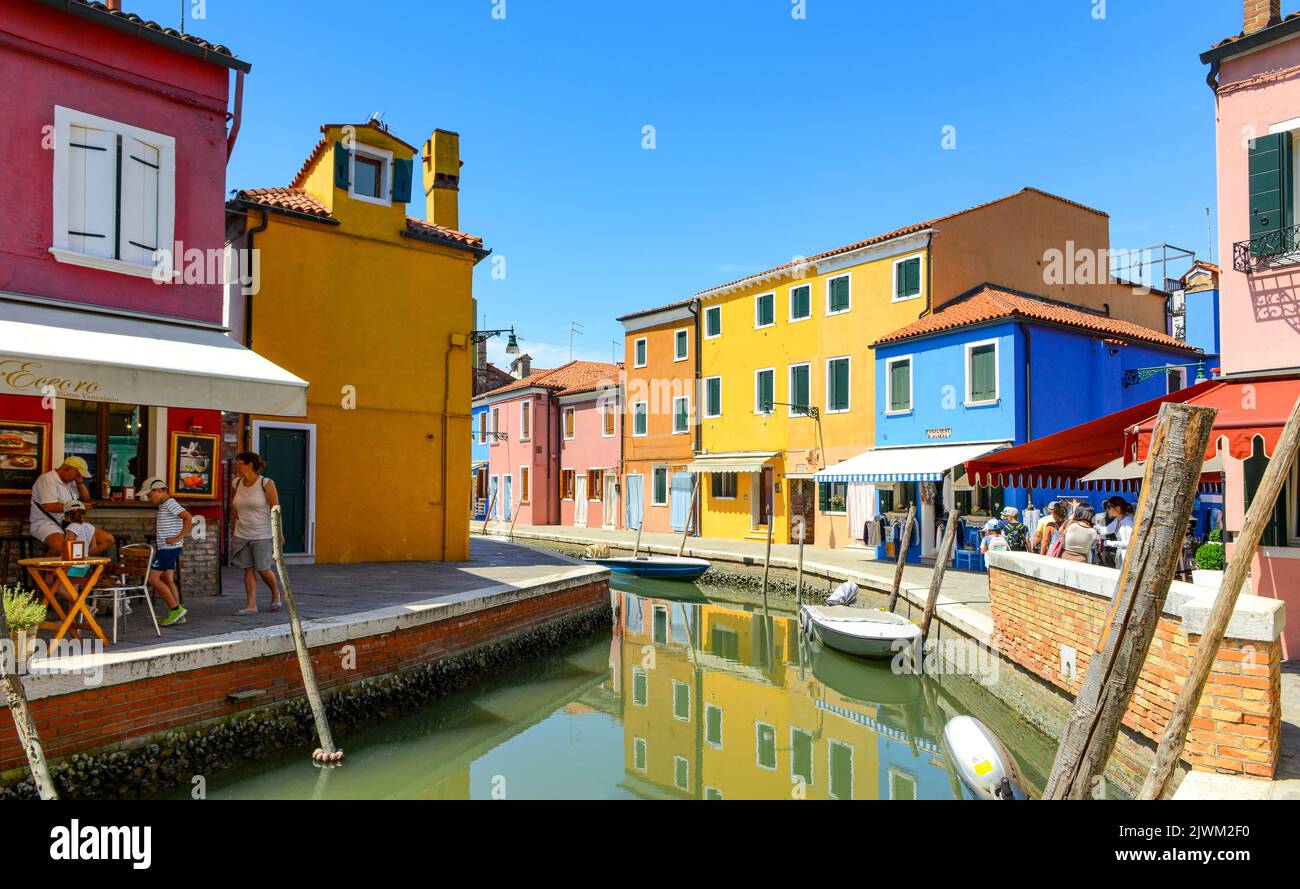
{"type": "Point", "coordinates": [285, 453]}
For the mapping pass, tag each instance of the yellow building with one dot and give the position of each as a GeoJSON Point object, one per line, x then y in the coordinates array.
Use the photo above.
{"type": "Point", "coordinates": [375, 307]}
{"type": "Point", "coordinates": [799, 334]}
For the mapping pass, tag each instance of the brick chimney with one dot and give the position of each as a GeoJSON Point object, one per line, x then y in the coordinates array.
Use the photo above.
{"type": "Point", "coordinates": [521, 366]}
{"type": "Point", "coordinates": [442, 179]}
{"type": "Point", "coordinates": [1260, 14]}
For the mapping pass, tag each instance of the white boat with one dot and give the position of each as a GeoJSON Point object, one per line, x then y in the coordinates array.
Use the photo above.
{"type": "Point", "coordinates": [861, 631]}
{"type": "Point", "coordinates": [985, 767]}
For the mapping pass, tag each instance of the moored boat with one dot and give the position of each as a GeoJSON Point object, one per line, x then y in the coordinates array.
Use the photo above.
{"type": "Point", "coordinates": [985, 767]}
{"type": "Point", "coordinates": [655, 567]}
{"type": "Point", "coordinates": [861, 631]}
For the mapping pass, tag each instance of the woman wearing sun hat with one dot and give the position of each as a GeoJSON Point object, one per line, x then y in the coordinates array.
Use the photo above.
{"type": "Point", "coordinates": [53, 489]}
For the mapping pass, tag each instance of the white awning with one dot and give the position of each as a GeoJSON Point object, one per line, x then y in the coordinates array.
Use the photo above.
{"type": "Point", "coordinates": [1115, 470]}
{"type": "Point", "coordinates": [130, 360]}
{"type": "Point", "coordinates": [923, 463]}
{"type": "Point", "coordinates": [735, 461]}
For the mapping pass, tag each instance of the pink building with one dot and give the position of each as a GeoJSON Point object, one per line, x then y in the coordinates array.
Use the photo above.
{"type": "Point", "coordinates": [1256, 81]}
{"type": "Point", "coordinates": [554, 443]}
{"type": "Point", "coordinates": [112, 346]}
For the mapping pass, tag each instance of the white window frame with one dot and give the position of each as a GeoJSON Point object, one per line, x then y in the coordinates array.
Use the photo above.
{"type": "Point", "coordinates": [707, 310]}
{"type": "Point", "coordinates": [1182, 377]}
{"type": "Point", "coordinates": [893, 283]}
{"type": "Point", "coordinates": [997, 373]}
{"type": "Point", "coordinates": [608, 409]}
{"type": "Point", "coordinates": [683, 760]}
{"type": "Point", "coordinates": [758, 301]}
{"type": "Point", "coordinates": [776, 747]}
{"type": "Point", "coordinates": [638, 671]}
{"type": "Point", "coordinates": [481, 433]}
{"type": "Point", "coordinates": [757, 374]}
{"type": "Point", "coordinates": [684, 333]}
{"type": "Point", "coordinates": [496, 421]}
{"type": "Point", "coordinates": [894, 773]}
{"type": "Point", "coordinates": [687, 430]}
{"type": "Point", "coordinates": [685, 685]}
{"type": "Point", "coordinates": [911, 382]}
{"type": "Point", "coordinates": [812, 755]}
{"type": "Point", "coordinates": [790, 410]}
{"type": "Point", "coordinates": [525, 429]}
{"type": "Point", "coordinates": [638, 345]}
{"type": "Point", "coordinates": [668, 485]}
{"type": "Point", "coordinates": [721, 726]}
{"type": "Point", "coordinates": [163, 269]}
{"type": "Point", "coordinates": [723, 496]}
{"type": "Point", "coordinates": [830, 774]}
{"type": "Point", "coordinates": [848, 277]}
{"type": "Point", "coordinates": [564, 423]}
{"type": "Point", "coordinates": [525, 482]}
{"type": "Point", "coordinates": [790, 302]}
{"type": "Point", "coordinates": [640, 746]}
{"type": "Point", "coordinates": [385, 157]}
{"type": "Point", "coordinates": [646, 406]}
{"type": "Point", "coordinates": [848, 379]}
{"type": "Point", "coordinates": [705, 385]}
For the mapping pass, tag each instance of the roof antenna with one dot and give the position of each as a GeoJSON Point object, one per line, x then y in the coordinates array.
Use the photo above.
{"type": "Point", "coordinates": [182, 16]}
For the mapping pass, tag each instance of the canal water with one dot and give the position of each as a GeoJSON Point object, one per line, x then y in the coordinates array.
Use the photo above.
{"type": "Point", "coordinates": [696, 693]}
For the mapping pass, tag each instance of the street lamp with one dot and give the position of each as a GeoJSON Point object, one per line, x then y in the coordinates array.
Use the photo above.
{"type": "Point", "coordinates": [512, 343]}
{"type": "Point", "coordinates": [1142, 374]}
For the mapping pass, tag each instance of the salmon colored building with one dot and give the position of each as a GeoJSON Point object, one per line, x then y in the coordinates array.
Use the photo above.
{"type": "Point", "coordinates": [553, 446]}
{"type": "Point", "coordinates": [661, 429]}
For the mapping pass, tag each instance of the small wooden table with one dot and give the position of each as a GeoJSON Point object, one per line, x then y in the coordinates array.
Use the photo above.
{"type": "Point", "coordinates": [40, 568]}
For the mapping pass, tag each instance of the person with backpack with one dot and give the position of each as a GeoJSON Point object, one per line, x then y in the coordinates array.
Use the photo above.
{"type": "Point", "coordinates": [1013, 530]}
{"type": "Point", "coordinates": [251, 547]}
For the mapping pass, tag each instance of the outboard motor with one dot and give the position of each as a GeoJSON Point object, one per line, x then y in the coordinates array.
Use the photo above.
{"type": "Point", "coordinates": [845, 594]}
{"type": "Point", "coordinates": [985, 767]}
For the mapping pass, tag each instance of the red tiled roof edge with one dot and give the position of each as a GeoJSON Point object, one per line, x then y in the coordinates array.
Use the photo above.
{"type": "Point", "coordinates": [291, 200]}
{"type": "Point", "coordinates": [640, 312]}
{"type": "Point", "coordinates": [130, 23]}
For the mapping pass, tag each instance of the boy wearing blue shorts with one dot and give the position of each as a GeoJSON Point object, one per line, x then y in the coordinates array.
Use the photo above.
{"type": "Point", "coordinates": [172, 526]}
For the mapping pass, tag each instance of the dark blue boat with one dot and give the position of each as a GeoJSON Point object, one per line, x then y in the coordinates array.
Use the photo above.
{"type": "Point", "coordinates": [657, 567]}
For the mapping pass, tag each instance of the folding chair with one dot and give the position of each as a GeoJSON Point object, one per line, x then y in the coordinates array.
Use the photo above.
{"type": "Point", "coordinates": [133, 584]}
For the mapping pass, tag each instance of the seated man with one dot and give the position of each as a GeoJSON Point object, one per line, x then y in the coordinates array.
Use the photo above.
{"type": "Point", "coordinates": [51, 491]}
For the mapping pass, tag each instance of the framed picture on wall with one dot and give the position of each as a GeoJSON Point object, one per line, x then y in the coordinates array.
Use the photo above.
{"type": "Point", "coordinates": [194, 465]}
{"type": "Point", "coordinates": [23, 449]}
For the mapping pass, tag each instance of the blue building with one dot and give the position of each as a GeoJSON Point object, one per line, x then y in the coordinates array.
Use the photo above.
{"type": "Point", "coordinates": [1195, 307]}
{"type": "Point", "coordinates": [478, 461]}
{"type": "Point", "coordinates": [996, 368]}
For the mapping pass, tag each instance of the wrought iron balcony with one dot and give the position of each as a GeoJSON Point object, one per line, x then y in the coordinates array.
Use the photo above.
{"type": "Point", "coordinates": [1280, 247]}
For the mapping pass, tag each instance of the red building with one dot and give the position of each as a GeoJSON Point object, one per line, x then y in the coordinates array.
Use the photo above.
{"type": "Point", "coordinates": [112, 264]}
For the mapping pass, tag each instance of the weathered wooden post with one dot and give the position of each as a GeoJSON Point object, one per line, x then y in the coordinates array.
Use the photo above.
{"type": "Point", "coordinates": [767, 559]}
{"type": "Point", "coordinates": [1243, 552]}
{"type": "Point", "coordinates": [798, 586]}
{"type": "Point", "coordinates": [327, 752]}
{"type": "Point", "coordinates": [22, 714]}
{"type": "Point", "coordinates": [690, 516]}
{"type": "Point", "coordinates": [902, 555]}
{"type": "Point", "coordinates": [514, 517]}
{"type": "Point", "coordinates": [487, 516]}
{"type": "Point", "coordinates": [942, 558]}
{"type": "Point", "coordinates": [1169, 487]}
{"type": "Point", "coordinates": [636, 548]}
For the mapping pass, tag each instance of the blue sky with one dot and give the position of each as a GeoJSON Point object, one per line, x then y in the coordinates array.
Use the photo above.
{"type": "Point", "coordinates": [774, 136]}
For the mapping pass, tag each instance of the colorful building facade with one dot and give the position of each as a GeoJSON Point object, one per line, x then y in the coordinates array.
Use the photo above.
{"type": "Point", "coordinates": [555, 445]}
{"type": "Point", "coordinates": [387, 434]}
{"type": "Point", "coordinates": [795, 337]}
{"type": "Point", "coordinates": [660, 417]}
{"type": "Point", "coordinates": [112, 346]}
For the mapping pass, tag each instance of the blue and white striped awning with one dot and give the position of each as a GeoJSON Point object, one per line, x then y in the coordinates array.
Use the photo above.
{"type": "Point", "coordinates": [922, 463]}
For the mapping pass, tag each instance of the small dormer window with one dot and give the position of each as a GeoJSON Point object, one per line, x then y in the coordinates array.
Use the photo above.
{"type": "Point", "coordinates": [369, 176]}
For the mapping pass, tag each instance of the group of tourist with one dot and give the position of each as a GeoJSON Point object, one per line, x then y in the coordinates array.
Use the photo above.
{"type": "Point", "coordinates": [1068, 529]}
{"type": "Point", "coordinates": [61, 501]}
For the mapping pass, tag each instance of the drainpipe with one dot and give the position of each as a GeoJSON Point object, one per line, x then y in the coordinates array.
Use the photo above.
{"type": "Point", "coordinates": [1029, 397]}
{"type": "Point", "coordinates": [236, 118]}
{"type": "Point", "coordinates": [248, 313]}
{"type": "Point", "coordinates": [697, 503]}
{"type": "Point", "coordinates": [929, 274]}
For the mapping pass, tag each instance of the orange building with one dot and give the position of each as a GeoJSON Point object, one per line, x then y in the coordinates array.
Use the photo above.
{"type": "Point", "coordinates": [660, 428]}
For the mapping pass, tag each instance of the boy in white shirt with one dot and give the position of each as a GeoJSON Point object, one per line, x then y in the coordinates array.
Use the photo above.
{"type": "Point", "coordinates": [171, 528]}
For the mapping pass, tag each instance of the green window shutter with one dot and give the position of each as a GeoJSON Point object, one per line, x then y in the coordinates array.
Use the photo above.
{"type": "Point", "coordinates": [823, 496]}
{"type": "Point", "coordinates": [799, 302]}
{"type": "Point", "coordinates": [900, 373]}
{"type": "Point", "coordinates": [342, 165]}
{"type": "Point", "coordinates": [983, 373]}
{"type": "Point", "coordinates": [913, 273]}
{"type": "Point", "coordinates": [1252, 474]}
{"type": "Point", "coordinates": [713, 397]}
{"type": "Point", "coordinates": [765, 316]}
{"type": "Point", "coordinates": [1269, 184]}
{"type": "Point", "coordinates": [765, 397]}
{"type": "Point", "coordinates": [839, 294]}
{"type": "Point", "coordinates": [713, 321]}
{"type": "Point", "coordinates": [837, 399]}
{"type": "Point", "coordinates": [402, 172]}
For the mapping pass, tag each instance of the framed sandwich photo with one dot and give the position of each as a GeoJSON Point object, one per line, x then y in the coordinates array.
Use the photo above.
{"type": "Point", "coordinates": [194, 465]}
{"type": "Point", "coordinates": [23, 450]}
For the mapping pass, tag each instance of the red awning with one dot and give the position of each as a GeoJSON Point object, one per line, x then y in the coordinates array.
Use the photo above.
{"type": "Point", "coordinates": [1060, 459]}
{"type": "Point", "coordinates": [1250, 410]}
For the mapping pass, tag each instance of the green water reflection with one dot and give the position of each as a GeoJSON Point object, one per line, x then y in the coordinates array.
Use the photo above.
{"type": "Point", "coordinates": [692, 695]}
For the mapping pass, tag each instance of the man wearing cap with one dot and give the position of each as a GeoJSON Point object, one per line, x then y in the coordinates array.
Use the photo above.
{"type": "Point", "coordinates": [51, 491]}
{"type": "Point", "coordinates": [1013, 529]}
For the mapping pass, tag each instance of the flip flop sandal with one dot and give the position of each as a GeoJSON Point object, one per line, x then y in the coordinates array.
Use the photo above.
{"type": "Point", "coordinates": [276, 606]}
{"type": "Point", "coordinates": [244, 612]}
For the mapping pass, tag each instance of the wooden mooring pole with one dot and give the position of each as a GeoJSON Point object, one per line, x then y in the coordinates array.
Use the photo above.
{"type": "Point", "coordinates": [798, 584]}
{"type": "Point", "coordinates": [636, 548]}
{"type": "Point", "coordinates": [327, 752]}
{"type": "Point", "coordinates": [902, 555]}
{"type": "Point", "coordinates": [942, 558]}
{"type": "Point", "coordinates": [1173, 475]}
{"type": "Point", "coordinates": [16, 697]}
{"type": "Point", "coordinates": [514, 517]}
{"type": "Point", "coordinates": [1243, 552]}
{"type": "Point", "coordinates": [767, 559]}
{"type": "Point", "coordinates": [690, 516]}
{"type": "Point", "coordinates": [487, 516]}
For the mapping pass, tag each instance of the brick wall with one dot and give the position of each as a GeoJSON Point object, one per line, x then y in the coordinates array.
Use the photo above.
{"type": "Point", "coordinates": [1237, 728]}
{"type": "Point", "coordinates": [120, 714]}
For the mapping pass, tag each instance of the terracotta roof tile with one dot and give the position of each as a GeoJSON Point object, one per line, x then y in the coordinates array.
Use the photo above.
{"type": "Point", "coordinates": [567, 379]}
{"type": "Point", "coordinates": [663, 308]}
{"type": "Point", "coordinates": [991, 303]}
{"type": "Point", "coordinates": [442, 233]}
{"type": "Point", "coordinates": [316, 152]}
{"type": "Point", "coordinates": [293, 199]}
{"type": "Point", "coordinates": [130, 22]}
{"type": "Point", "coordinates": [898, 233]}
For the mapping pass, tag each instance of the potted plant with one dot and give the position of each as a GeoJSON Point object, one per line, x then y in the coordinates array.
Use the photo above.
{"type": "Point", "coordinates": [1209, 562]}
{"type": "Point", "coordinates": [24, 613]}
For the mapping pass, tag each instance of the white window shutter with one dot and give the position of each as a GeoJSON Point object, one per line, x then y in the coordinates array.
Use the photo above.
{"type": "Point", "coordinates": [140, 167]}
{"type": "Point", "coordinates": [92, 184]}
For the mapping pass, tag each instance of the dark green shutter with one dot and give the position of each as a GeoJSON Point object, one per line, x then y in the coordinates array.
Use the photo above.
{"type": "Point", "coordinates": [913, 276]}
{"type": "Point", "coordinates": [899, 390]}
{"type": "Point", "coordinates": [713, 321]}
{"type": "Point", "coordinates": [1252, 474]}
{"type": "Point", "coordinates": [983, 373]}
{"type": "Point", "coordinates": [823, 496]}
{"type": "Point", "coordinates": [1269, 184]}
{"type": "Point", "coordinates": [713, 397]}
{"type": "Point", "coordinates": [838, 397]}
{"type": "Point", "coordinates": [342, 165]}
{"type": "Point", "coordinates": [402, 172]}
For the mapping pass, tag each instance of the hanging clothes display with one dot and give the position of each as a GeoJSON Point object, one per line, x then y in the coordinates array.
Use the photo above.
{"type": "Point", "coordinates": [860, 504]}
